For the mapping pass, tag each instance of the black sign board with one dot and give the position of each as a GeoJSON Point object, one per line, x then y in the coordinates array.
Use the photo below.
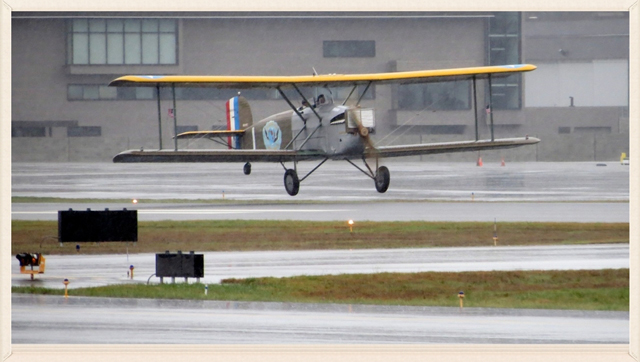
{"type": "Point", "coordinates": [180, 265]}
{"type": "Point", "coordinates": [98, 226]}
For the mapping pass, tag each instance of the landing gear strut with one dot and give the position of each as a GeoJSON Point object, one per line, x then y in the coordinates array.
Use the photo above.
{"type": "Point", "coordinates": [247, 168]}
{"type": "Point", "coordinates": [291, 182]}
{"type": "Point", "coordinates": [382, 179]}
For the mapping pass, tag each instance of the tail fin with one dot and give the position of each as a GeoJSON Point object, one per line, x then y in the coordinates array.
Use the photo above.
{"type": "Point", "coordinates": [238, 118]}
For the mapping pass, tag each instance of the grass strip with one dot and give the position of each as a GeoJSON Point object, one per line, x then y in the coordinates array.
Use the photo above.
{"type": "Point", "coordinates": [574, 289]}
{"type": "Point", "coordinates": [245, 235]}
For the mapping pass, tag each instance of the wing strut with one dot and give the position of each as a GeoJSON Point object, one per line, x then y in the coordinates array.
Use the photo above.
{"type": "Point", "coordinates": [291, 105]}
{"type": "Point", "coordinates": [364, 92]}
{"type": "Point", "coordinates": [304, 126]}
{"type": "Point", "coordinates": [491, 108]}
{"type": "Point", "coordinates": [305, 99]}
{"type": "Point", "coordinates": [175, 117]}
{"type": "Point", "coordinates": [308, 137]}
{"type": "Point", "coordinates": [350, 93]}
{"type": "Point", "coordinates": [475, 106]}
{"type": "Point", "coordinates": [159, 117]}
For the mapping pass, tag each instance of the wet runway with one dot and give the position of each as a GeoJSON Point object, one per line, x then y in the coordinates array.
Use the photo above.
{"type": "Point", "coordinates": [363, 211]}
{"type": "Point", "coordinates": [334, 181]}
{"type": "Point", "coordinates": [96, 270]}
{"type": "Point", "coordinates": [563, 192]}
{"type": "Point", "coordinates": [79, 320]}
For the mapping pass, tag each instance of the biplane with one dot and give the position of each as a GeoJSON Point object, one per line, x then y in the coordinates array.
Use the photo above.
{"type": "Point", "coordinates": [320, 129]}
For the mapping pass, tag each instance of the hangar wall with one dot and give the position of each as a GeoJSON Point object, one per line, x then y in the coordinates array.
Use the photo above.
{"type": "Point", "coordinates": [97, 129]}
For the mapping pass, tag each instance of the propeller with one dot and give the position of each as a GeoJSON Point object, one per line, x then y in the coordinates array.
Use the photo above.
{"type": "Point", "coordinates": [362, 130]}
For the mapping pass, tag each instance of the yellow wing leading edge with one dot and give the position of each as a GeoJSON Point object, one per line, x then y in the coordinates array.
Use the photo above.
{"type": "Point", "coordinates": [243, 82]}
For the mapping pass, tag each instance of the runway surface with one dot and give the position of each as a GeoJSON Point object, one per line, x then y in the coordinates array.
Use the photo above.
{"type": "Point", "coordinates": [581, 192]}
{"type": "Point", "coordinates": [367, 211]}
{"type": "Point", "coordinates": [563, 192]}
{"type": "Point", "coordinates": [78, 320]}
{"type": "Point", "coordinates": [334, 181]}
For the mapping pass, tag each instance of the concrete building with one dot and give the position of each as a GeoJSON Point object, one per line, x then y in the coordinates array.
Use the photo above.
{"type": "Point", "coordinates": [576, 101]}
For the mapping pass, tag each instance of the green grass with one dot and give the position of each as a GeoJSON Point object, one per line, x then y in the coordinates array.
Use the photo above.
{"type": "Point", "coordinates": [244, 235]}
{"type": "Point", "coordinates": [575, 289]}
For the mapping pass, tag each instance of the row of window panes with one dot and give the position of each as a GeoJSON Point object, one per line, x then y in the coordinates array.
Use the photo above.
{"type": "Point", "coordinates": [504, 50]}
{"type": "Point", "coordinates": [123, 47]}
{"type": "Point", "coordinates": [506, 92]}
{"type": "Point", "coordinates": [503, 42]}
{"type": "Point", "coordinates": [122, 25]}
{"type": "Point", "coordinates": [505, 23]}
{"type": "Point", "coordinates": [103, 92]}
{"type": "Point", "coordinates": [435, 96]}
{"type": "Point", "coordinates": [76, 131]}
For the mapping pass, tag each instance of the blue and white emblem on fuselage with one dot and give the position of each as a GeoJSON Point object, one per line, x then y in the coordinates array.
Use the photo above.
{"type": "Point", "coordinates": [272, 136]}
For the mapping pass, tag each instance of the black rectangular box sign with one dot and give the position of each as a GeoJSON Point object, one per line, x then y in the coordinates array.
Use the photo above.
{"type": "Point", "coordinates": [180, 265]}
{"type": "Point", "coordinates": [98, 226]}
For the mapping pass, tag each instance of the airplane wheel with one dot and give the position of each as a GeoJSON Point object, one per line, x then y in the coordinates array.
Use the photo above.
{"type": "Point", "coordinates": [247, 168]}
{"type": "Point", "coordinates": [382, 179]}
{"type": "Point", "coordinates": [291, 182]}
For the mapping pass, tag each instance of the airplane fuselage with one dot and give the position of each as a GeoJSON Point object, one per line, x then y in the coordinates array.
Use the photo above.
{"type": "Point", "coordinates": [328, 134]}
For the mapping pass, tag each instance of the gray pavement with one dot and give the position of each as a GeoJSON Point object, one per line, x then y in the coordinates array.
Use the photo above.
{"type": "Point", "coordinates": [79, 320]}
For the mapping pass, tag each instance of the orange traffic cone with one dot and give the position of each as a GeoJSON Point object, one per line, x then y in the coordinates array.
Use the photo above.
{"type": "Point", "coordinates": [502, 163]}
{"type": "Point", "coordinates": [479, 161]}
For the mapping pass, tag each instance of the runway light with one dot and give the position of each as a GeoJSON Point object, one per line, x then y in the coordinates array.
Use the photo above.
{"type": "Point", "coordinates": [66, 293]}
{"type": "Point", "coordinates": [135, 201]}
{"type": "Point", "coordinates": [350, 226]}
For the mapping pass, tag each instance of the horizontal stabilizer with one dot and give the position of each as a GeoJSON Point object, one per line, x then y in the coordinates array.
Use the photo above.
{"type": "Point", "coordinates": [209, 134]}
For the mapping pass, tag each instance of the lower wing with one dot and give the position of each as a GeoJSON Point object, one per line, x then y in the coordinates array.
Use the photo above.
{"type": "Point", "coordinates": [233, 155]}
{"type": "Point", "coordinates": [449, 147]}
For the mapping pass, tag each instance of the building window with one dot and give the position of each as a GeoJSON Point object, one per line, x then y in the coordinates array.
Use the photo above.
{"type": "Point", "coordinates": [564, 130]}
{"type": "Point", "coordinates": [92, 92]}
{"type": "Point", "coordinates": [341, 93]}
{"type": "Point", "coordinates": [122, 41]}
{"type": "Point", "coordinates": [87, 131]}
{"type": "Point", "coordinates": [21, 131]}
{"type": "Point", "coordinates": [349, 48]}
{"type": "Point", "coordinates": [503, 41]}
{"type": "Point", "coordinates": [592, 130]}
{"type": "Point", "coordinates": [455, 95]}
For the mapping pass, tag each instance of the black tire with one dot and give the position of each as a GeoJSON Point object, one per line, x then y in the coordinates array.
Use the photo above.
{"type": "Point", "coordinates": [382, 179]}
{"type": "Point", "coordinates": [247, 168]}
{"type": "Point", "coordinates": [291, 182]}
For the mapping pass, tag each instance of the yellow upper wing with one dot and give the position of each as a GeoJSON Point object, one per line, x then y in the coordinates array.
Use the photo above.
{"type": "Point", "coordinates": [240, 82]}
